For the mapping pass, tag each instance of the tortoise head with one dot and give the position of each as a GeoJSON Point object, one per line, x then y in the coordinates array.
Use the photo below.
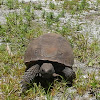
{"type": "Point", "coordinates": [47, 70]}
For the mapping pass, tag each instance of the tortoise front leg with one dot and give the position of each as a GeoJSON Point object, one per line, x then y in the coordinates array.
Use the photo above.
{"type": "Point", "coordinates": [28, 77]}
{"type": "Point", "coordinates": [69, 75]}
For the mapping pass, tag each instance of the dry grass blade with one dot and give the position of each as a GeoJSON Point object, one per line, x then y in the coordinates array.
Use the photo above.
{"type": "Point", "coordinates": [9, 50]}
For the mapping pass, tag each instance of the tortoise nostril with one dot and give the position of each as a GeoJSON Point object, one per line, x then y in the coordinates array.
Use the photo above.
{"type": "Point", "coordinates": [42, 70]}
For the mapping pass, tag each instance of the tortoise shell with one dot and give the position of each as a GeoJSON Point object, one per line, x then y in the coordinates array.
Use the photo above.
{"type": "Point", "coordinates": [50, 47]}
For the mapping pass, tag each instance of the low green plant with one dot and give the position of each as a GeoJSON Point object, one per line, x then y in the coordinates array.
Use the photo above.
{"type": "Point", "coordinates": [1, 2]}
{"type": "Point", "coordinates": [98, 96]}
{"type": "Point", "coordinates": [43, 14]}
{"type": "Point", "coordinates": [75, 5]}
{"type": "Point", "coordinates": [52, 6]}
{"type": "Point", "coordinates": [66, 29]}
{"type": "Point", "coordinates": [37, 6]}
{"type": "Point", "coordinates": [19, 24]}
{"type": "Point", "coordinates": [84, 5]}
{"type": "Point", "coordinates": [62, 13]}
{"type": "Point", "coordinates": [2, 30]}
{"type": "Point", "coordinates": [29, 14]}
{"type": "Point", "coordinates": [12, 4]}
{"type": "Point", "coordinates": [49, 18]}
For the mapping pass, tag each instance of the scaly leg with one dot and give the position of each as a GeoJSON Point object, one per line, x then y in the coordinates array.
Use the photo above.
{"type": "Point", "coordinates": [69, 75]}
{"type": "Point", "coordinates": [28, 77]}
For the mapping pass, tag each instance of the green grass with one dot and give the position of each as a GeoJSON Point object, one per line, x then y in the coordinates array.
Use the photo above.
{"type": "Point", "coordinates": [12, 4]}
{"type": "Point", "coordinates": [75, 5]}
{"type": "Point", "coordinates": [20, 28]}
{"type": "Point", "coordinates": [52, 6]}
{"type": "Point", "coordinates": [1, 2]}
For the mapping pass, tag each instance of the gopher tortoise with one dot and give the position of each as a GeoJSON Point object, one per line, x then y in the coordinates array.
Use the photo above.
{"type": "Point", "coordinates": [48, 56]}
